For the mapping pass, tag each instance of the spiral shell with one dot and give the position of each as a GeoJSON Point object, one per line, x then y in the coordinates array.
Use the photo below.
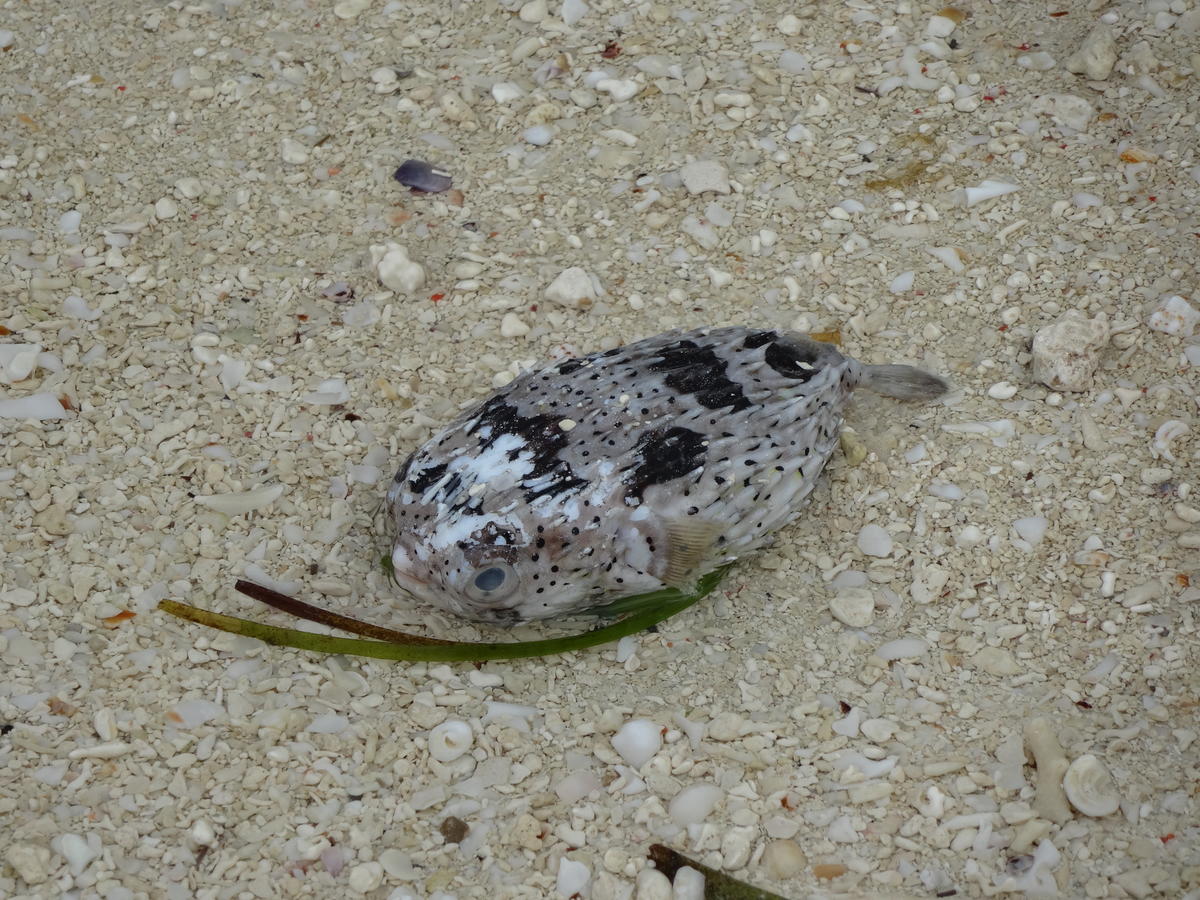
{"type": "Point", "coordinates": [450, 740]}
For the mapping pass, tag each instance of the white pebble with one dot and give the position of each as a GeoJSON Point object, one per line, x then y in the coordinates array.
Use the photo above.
{"type": "Point", "coordinates": [1096, 56]}
{"type": "Point", "coordinates": [727, 726]}
{"type": "Point", "coordinates": [203, 834]}
{"type": "Point", "coordinates": [573, 877]}
{"type": "Point", "coordinates": [705, 175]}
{"type": "Point", "coordinates": [794, 63]}
{"type": "Point", "coordinates": [189, 188]}
{"type": "Point", "coordinates": [842, 830]}
{"type": "Point", "coordinates": [39, 407]}
{"type": "Point", "coordinates": [950, 257]}
{"type": "Point", "coordinates": [873, 540]}
{"type": "Point", "coordinates": [620, 89]}
{"type": "Point", "coordinates": [653, 885]}
{"type": "Point", "coordinates": [688, 884]}
{"type": "Point", "coordinates": [506, 92]}
{"type": "Point", "coordinates": [717, 277]}
{"type": "Point", "coordinates": [784, 859]}
{"type": "Point", "coordinates": [1066, 353]}
{"type": "Point", "coordinates": [878, 730]}
{"type": "Point", "coordinates": [718, 215]}
{"type": "Point", "coordinates": [533, 11]}
{"type": "Point", "coordinates": [1090, 787]}
{"type": "Point", "coordinates": [348, 9]}
{"type": "Point", "coordinates": [946, 490]}
{"type": "Point", "coordinates": [996, 661]}
{"type": "Point", "coordinates": [940, 26]}
{"type": "Point", "coordinates": [694, 803]}
{"type": "Point", "coordinates": [902, 282]}
{"type": "Point", "coordinates": [450, 740]}
{"type": "Point", "coordinates": [573, 12]}
{"type": "Point", "coordinates": [969, 536]}
{"type": "Point", "coordinates": [574, 288]}
{"type": "Point", "coordinates": [1002, 390]}
{"type": "Point", "coordinates": [853, 606]}
{"type": "Point", "coordinates": [7, 38]}
{"type": "Point", "coordinates": [17, 361]}
{"type": "Point", "coordinates": [701, 232]}
{"type": "Point", "coordinates": [105, 723]}
{"type": "Point", "coordinates": [847, 726]}
{"type": "Point", "coordinates": [577, 785]}
{"type": "Point", "coordinates": [395, 270]}
{"type": "Point", "coordinates": [78, 852]}
{"type": "Point", "coordinates": [736, 846]}
{"type": "Point", "coordinates": [790, 25]}
{"type": "Point", "coordinates": [366, 877]}
{"type": "Point", "coordinates": [293, 151]}
{"type": "Point", "coordinates": [1174, 315]}
{"type": "Point", "coordinates": [384, 75]}
{"type": "Point", "coordinates": [799, 133]}
{"type": "Point", "coordinates": [1036, 62]}
{"type": "Point", "coordinates": [68, 222]}
{"type": "Point", "coordinates": [1067, 109]}
{"type": "Point", "coordinates": [328, 723]}
{"type": "Point", "coordinates": [538, 135]}
{"type": "Point", "coordinates": [638, 741]}
{"type": "Point", "coordinates": [328, 392]}
{"type": "Point", "coordinates": [166, 208]}
{"type": "Point", "coordinates": [512, 326]}
{"type": "Point", "coordinates": [1155, 475]}
{"type": "Point", "coordinates": [1031, 529]}
{"type": "Point", "coordinates": [902, 648]}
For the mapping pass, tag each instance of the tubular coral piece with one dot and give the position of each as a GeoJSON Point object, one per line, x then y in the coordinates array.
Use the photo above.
{"type": "Point", "coordinates": [1050, 801]}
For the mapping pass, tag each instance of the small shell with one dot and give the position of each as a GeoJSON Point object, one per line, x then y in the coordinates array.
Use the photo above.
{"type": "Point", "coordinates": [1090, 787]}
{"type": "Point", "coordinates": [450, 740]}
{"type": "Point", "coordinates": [421, 176]}
{"type": "Point", "coordinates": [1169, 431]}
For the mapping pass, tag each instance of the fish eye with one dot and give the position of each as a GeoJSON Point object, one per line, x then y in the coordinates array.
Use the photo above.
{"type": "Point", "coordinates": [492, 582]}
{"type": "Point", "coordinates": [490, 579]}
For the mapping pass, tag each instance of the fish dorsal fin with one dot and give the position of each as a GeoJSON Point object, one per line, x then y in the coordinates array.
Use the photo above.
{"type": "Point", "coordinates": [689, 543]}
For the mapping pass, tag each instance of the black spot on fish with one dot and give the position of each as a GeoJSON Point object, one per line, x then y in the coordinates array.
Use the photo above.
{"type": "Point", "coordinates": [692, 369]}
{"type": "Point", "coordinates": [402, 473]}
{"type": "Point", "coordinates": [571, 365]}
{"type": "Point", "coordinates": [792, 360]}
{"type": "Point", "coordinates": [758, 339]}
{"type": "Point", "coordinates": [426, 478]}
{"type": "Point", "coordinates": [664, 454]}
{"type": "Point", "coordinates": [544, 441]}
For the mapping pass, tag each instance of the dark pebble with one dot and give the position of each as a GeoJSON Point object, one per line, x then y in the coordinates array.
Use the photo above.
{"type": "Point", "coordinates": [421, 176]}
{"type": "Point", "coordinates": [453, 829]}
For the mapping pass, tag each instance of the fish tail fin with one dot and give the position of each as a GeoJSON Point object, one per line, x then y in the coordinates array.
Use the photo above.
{"type": "Point", "coordinates": [904, 382]}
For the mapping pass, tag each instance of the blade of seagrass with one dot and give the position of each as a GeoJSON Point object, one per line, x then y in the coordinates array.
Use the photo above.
{"type": "Point", "coordinates": [450, 651]}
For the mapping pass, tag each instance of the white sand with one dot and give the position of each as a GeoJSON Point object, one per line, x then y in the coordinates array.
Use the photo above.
{"type": "Point", "coordinates": [189, 194]}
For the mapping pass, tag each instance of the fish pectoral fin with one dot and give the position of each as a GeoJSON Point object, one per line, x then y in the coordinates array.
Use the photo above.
{"type": "Point", "coordinates": [689, 543]}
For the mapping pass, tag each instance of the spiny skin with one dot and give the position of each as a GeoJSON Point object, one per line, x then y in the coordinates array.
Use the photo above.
{"type": "Point", "coordinates": [568, 488]}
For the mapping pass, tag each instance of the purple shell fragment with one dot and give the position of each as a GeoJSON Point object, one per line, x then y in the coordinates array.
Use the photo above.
{"type": "Point", "coordinates": [421, 176]}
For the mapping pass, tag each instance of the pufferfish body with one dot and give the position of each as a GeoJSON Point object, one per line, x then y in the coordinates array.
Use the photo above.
{"type": "Point", "coordinates": [625, 471]}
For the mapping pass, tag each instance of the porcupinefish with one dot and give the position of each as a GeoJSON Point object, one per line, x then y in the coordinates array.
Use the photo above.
{"type": "Point", "coordinates": [621, 472]}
